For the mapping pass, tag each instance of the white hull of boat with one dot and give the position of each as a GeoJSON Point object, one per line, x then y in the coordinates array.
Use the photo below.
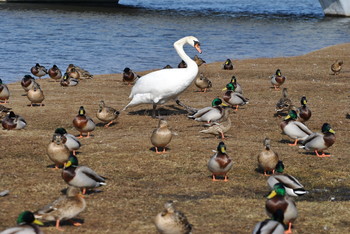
{"type": "Point", "coordinates": [336, 7]}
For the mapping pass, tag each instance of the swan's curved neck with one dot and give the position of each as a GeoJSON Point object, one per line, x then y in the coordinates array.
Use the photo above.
{"type": "Point", "coordinates": [179, 47]}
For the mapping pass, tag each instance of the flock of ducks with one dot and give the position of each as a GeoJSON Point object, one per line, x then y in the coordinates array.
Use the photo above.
{"type": "Point", "coordinates": [62, 149]}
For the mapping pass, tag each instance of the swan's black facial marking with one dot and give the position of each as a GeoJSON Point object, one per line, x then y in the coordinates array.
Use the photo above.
{"type": "Point", "coordinates": [196, 43]}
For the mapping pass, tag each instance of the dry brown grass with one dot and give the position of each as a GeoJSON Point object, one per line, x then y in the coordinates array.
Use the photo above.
{"type": "Point", "coordinates": [140, 181]}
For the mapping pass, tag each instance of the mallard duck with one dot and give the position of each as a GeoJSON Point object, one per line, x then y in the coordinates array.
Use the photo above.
{"type": "Point", "coordinates": [292, 186]}
{"type": "Point", "coordinates": [238, 88]}
{"type": "Point", "coordinates": [4, 92]}
{"type": "Point", "coordinates": [81, 176]}
{"type": "Point", "coordinates": [209, 114]}
{"type": "Point", "coordinates": [336, 67]}
{"type": "Point", "coordinates": [271, 226]}
{"type": "Point", "coordinates": [4, 111]}
{"type": "Point", "coordinates": [68, 81]}
{"type": "Point", "coordinates": [35, 95]}
{"type": "Point", "coordinates": [38, 70]}
{"type": "Point", "coordinates": [55, 73]}
{"type": "Point", "coordinates": [220, 163]}
{"type": "Point", "coordinates": [161, 136]}
{"type": "Point", "coordinates": [129, 76]}
{"type": "Point", "coordinates": [167, 67]}
{"type": "Point", "coordinates": [27, 82]}
{"type": "Point", "coordinates": [304, 113]}
{"type": "Point", "coordinates": [277, 200]}
{"type": "Point", "coordinates": [161, 86]}
{"type": "Point", "coordinates": [171, 221]}
{"type": "Point", "coordinates": [27, 224]}
{"type": "Point", "coordinates": [233, 98]}
{"type": "Point", "coordinates": [57, 150]}
{"type": "Point", "coordinates": [82, 73]}
{"type": "Point", "coordinates": [72, 143]}
{"type": "Point", "coordinates": [284, 104]}
{"type": "Point", "coordinates": [227, 65]}
{"type": "Point", "coordinates": [65, 207]}
{"type": "Point", "coordinates": [320, 141]}
{"type": "Point", "coordinates": [203, 83]}
{"type": "Point", "coordinates": [83, 123]}
{"type": "Point", "coordinates": [13, 121]}
{"type": "Point", "coordinates": [182, 64]}
{"type": "Point", "coordinates": [73, 73]}
{"type": "Point", "coordinates": [277, 79]}
{"type": "Point", "coordinates": [221, 126]}
{"type": "Point", "coordinates": [294, 129]}
{"type": "Point", "coordinates": [198, 60]}
{"type": "Point", "coordinates": [106, 113]}
{"type": "Point", "coordinates": [267, 159]}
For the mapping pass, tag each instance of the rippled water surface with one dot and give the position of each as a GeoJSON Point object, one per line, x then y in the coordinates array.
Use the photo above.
{"type": "Point", "coordinates": [140, 34]}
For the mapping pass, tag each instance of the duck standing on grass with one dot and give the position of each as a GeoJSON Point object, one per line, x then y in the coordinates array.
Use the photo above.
{"type": "Point", "coordinates": [72, 143]}
{"type": "Point", "coordinates": [35, 95]}
{"type": "Point", "coordinates": [106, 114]}
{"type": "Point", "coordinates": [336, 67]}
{"type": "Point", "coordinates": [198, 60]}
{"type": "Point", "coordinates": [277, 79]}
{"type": "Point", "coordinates": [320, 141]}
{"type": "Point", "coordinates": [267, 159]}
{"type": "Point", "coordinates": [203, 83]}
{"type": "Point", "coordinates": [161, 136]}
{"type": "Point", "coordinates": [4, 93]}
{"type": "Point", "coordinates": [277, 200]}
{"type": "Point", "coordinates": [284, 104]}
{"type": "Point", "coordinates": [83, 123]}
{"type": "Point", "coordinates": [304, 113]}
{"type": "Point", "coordinates": [65, 207]}
{"type": "Point", "coordinates": [13, 121]}
{"type": "Point", "coordinates": [294, 129]}
{"type": "Point", "coordinates": [292, 186]}
{"type": "Point", "coordinates": [172, 221]}
{"type": "Point", "coordinates": [27, 224]}
{"type": "Point", "coordinates": [233, 98]}
{"type": "Point", "coordinates": [220, 163]}
{"type": "Point", "coordinates": [220, 127]}
{"type": "Point", "coordinates": [81, 176]}
{"type": "Point", "coordinates": [57, 150]}
{"type": "Point", "coordinates": [159, 87]}
{"type": "Point", "coordinates": [38, 70]}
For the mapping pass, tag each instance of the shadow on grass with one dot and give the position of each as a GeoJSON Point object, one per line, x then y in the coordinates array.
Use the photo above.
{"type": "Point", "coordinates": [160, 111]}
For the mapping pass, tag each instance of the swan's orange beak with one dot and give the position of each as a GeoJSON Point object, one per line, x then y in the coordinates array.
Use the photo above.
{"type": "Point", "coordinates": [198, 48]}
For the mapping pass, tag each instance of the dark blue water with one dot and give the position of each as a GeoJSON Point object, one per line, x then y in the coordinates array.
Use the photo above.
{"type": "Point", "coordinates": [140, 34]}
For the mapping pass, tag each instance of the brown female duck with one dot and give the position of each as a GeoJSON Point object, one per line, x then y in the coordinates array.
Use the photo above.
{"type": "Point", "coordinates": [267, 159]}
{"type": "Point", "coordinates": [106, 114]}
{"type": "Point", "coordinates": [161, 136]}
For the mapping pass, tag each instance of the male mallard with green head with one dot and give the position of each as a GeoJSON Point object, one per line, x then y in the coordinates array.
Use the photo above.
{"type": "Point", "coordinates": [220, 163]}
{"type": "Point", "coordinates": [304, 113]}
{"type": "Point", "coordinates": [267, 159]}
{"type": "Point", "coordinates": [277, 200]}
{"type": "Point", "coordinates": [228, 65]}
{"type": "Point", "coordinates": [13, 121]}
{"type": "Point", "coordinates": [233, 98]}
{"type": "Point", "coordinates": [294, 129]}
{"type": "Point", "coordinates": [81, 176]}
{"type": "Point", "coordinates": [106, 114]}
{"type": "Point", "coordinates": [320, 141]}
{"type": "Point", "coordinates": [38, 70]}
{"type": "Point", "coordinates": [210, 113]}
{"type": "Point", "coordinates": [171, 221]}
{"type": "Point", "coordinates": [277, 79]}
{"type": "Point", "coordinates": [57, 150]}
{"type": "Point", "coordinates": [161, 136]}
{"type": "Point", "coordinates": [26, 224]}
{"type": "Point", "coordinates": [65, 207]}
{"type": "Point", "coordinates": [292, 186]}
{"type": "Point", "coordinates": [83, 123]}
{"type": "Point", "coordinates": [238, 87]}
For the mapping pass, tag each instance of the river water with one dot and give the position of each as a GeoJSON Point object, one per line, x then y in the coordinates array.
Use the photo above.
{"type": "Point", "coordinates": [140, 34]}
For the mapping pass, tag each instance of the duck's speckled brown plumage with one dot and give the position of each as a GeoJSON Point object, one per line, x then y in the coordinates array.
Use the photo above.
{"type": "Point", "coordinates": [267, 159]}
{"type": "Point", "coordinates": [202, 82]}
{"type": "Point", "coordinates": [161, 136]}
{"type": "Point", "coordinates": [336, 67]}
{"type": "Point", "coordinates": [106, 113]}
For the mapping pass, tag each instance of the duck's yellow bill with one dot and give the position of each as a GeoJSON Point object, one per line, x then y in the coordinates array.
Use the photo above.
{"type": "Point", "coordinates": [38, 222]}
{"type": "Point", "coordinates": [272, 194]}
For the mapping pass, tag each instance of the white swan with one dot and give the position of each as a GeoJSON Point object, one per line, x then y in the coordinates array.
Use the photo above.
{"type": "Point", "coordinates": [163, 85]}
